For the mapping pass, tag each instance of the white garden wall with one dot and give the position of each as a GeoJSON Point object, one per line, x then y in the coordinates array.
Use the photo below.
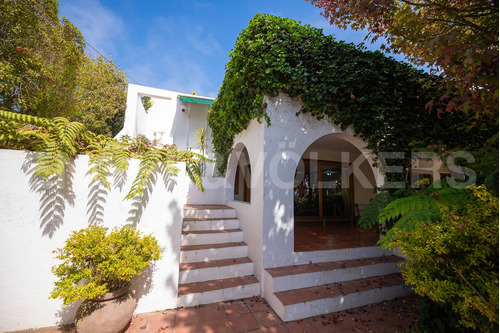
{"type": "Point", "coordinates": [38, 215]}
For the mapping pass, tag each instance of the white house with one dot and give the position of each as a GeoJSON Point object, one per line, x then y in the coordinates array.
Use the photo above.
{"type": "Point", "coordinates": [281, 223]}
{"type": "Point", "coordinates": [174, 118]}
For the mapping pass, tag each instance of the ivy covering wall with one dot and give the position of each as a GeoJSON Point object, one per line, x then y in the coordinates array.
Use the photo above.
{"type": "Point", "coordinates": [382, 98]}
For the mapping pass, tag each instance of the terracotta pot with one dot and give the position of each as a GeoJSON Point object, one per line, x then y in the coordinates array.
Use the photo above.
{"type": "Point", "coordinates": [110, 313]}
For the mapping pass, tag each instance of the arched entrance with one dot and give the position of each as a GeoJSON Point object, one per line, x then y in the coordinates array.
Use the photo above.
{"type": "Point", "coordinates": [243, 177]}
{"type": "Point", "coordinates": [333, 182]}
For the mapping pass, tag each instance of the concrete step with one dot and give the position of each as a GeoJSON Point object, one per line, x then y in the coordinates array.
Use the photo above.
{"type": "Point", "coordinates": [210, 252]}
{"type": "Point", "coordinates": [312, 301]}
{"type": "Point", "coordinates": [195, 224]}
{"type": "Point", "coordinates": [201, 237]}
{"type": "Point", "coordinates": [214, 270]}
{"type": "Point", "coordinates": [208, 211]}
{"type": "Point", "coordinates": [315, 274]}
{"type": "Point", "coordinates": [191, 294]}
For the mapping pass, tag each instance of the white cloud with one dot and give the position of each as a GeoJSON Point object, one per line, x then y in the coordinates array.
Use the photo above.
{"type": "Point", "coordinates": [100, 26]}
{"type": "Point", "coordinates": [176, 54]}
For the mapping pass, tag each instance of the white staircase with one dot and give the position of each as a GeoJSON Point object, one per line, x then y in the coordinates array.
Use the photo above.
{"type": "Point", "coordinates": [302, 291]}
{"type": "Point", "coordinates": [214, 263]}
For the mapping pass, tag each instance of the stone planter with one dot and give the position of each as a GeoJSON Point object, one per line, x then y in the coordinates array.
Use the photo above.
{"type": "Point", "coordinates": [109, 313]}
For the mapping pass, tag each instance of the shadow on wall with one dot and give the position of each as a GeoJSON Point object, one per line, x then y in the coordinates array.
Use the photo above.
{"type": "Point", "coordinates": [139, 203]}
{"type": "Point", "coordinates": [141, 285]}
{"type": "Point", "coordinates": [67, 313]}
{"type": "Point", "coordinates": [55, 192]}
{"type": "Point", "coordinates": [96, 201]}
{"type": "Point", "coordinates": [176, 213]}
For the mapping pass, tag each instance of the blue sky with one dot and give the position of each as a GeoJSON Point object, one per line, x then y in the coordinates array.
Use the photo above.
{"type": "Point", "coordinates": [180, 45]}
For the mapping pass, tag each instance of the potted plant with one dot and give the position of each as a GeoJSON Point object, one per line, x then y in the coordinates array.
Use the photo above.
{"type": "Point", "coordinates": [97, 268]}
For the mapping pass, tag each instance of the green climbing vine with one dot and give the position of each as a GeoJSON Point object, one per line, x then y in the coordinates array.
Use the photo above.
{"type": "Point", "coordinates": [58, 141]}
{"type": "Point", "coordinates": [383, 99]}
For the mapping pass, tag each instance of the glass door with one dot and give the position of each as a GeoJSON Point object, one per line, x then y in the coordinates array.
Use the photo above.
{"type": "Point", "coordinates": [321, 189]}
{"type": "Point", "coordinates": [335, 199]}
{"type": "Point", "coordinates": [306, 189]}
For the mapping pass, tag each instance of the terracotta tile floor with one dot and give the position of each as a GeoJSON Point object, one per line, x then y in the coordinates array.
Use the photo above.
{"type": "Point", "coordinates": [331, 235]}
{"type": "Point", "coordinates": [255, 315]}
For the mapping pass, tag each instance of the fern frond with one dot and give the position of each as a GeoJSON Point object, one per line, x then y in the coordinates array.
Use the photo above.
{"type": "Point", "coordinates": [100, 162]}
{"type": "Point", "coordinates": [403, 206]}
{"type": "Point", "coordinates": [24, 118]}
{"type": "Point", "coordinates": [453, 197]}
{"type": "Point", "coordinates": [147, 167]}
{"type": "Point", "coordinates": [195, 173]}
{"type": "Point", "coordinates": [369, 218]}
{"type": "Point", "coordinates": [50, 162]}
{"type": "Point", "coordinates": [68, 132]}
{"type": "Point", "coordinates": [408, 222]}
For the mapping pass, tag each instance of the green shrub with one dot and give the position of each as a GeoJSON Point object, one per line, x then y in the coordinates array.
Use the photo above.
{"type": "Point", "coordinates": [94, 263]}
{"type": "Point", "coordinates": [437, 317]}
{"type": "Point", "coordinates": [453, 258]}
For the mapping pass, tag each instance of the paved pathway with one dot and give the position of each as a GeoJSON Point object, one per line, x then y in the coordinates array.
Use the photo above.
{"type": "Point", "coordinates": [254, 315]}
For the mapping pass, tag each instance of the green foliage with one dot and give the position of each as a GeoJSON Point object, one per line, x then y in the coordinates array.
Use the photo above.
{"type": "Point", "coordinates": [94, 263]}
{"type": "Point", "coordinates": [201, 135]}
{"type": "Point", "coordinates": [40, 55]}
{"type": "Point", "coordinates": [453, 257]}
{"type": "Point", "coordinates": [384, 100]}
{"type": "Point", "coordinates": [369, 218]}
{"type": "Point", "coordinates": [147, 102]}
{"type": "Point", "coordinates": [45, 72]}
{"type": "Point", "coordinates": [100, 98]}
{"type": "Point", "coordinates": [438, 317]}
{"type": "Point", "coordinates": [457, 39]}
{"type": "Point", "coordinates": [58, 141]}
{"type": "Point", "coordinates": [420, 207]}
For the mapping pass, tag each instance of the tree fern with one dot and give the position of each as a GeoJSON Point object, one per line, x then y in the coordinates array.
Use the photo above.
{"type": "Point", "coordinates": [369, 218]}
{"type": "Point", "coordinates": [100, 161]}
{"type": "Point", "coordinates": [421, 207]}
{"type": "Point", "coordinates": [194, 172]}
{"type": "Point", "coordinates": [408, 222]}
{"type": "Point", "coordinates": [147, 167]}
{"type": "Point", "coordinates": [401, 207]}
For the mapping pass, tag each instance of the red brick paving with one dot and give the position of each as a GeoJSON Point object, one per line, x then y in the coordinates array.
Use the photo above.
{"type": "Point", "coordinates": [254, 315]}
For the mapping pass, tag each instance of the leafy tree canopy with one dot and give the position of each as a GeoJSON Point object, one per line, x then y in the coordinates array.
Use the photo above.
{"type": "Point", "coordinates": [45, 72]}
{"type": "Point", "coordinates": [457, 38]}
{"type": "Point", "coordinates": [382, 98]}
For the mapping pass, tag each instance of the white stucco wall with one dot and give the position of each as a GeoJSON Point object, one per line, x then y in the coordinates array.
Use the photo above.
{"type": "Point", "coordinates": [250, 213]}
{"type": "Point", "coordinates": [36, 219]}
{"type": "Point", "coordinates": [168, 120]}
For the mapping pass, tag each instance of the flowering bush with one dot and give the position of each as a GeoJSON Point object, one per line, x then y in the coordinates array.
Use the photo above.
{"type": "Point", "coordinates": [94, 263]}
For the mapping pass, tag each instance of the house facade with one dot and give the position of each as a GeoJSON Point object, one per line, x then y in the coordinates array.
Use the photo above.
{"type": "Point", "coordinates": [283, 180]}
{"type": "Point", "coordinates": [288, 185]}
{"type": "Point", "coordinates": [281, 223]}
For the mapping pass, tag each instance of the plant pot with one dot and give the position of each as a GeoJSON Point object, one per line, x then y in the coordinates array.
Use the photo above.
{"type": "Point", "coordinates": [109, 313]}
